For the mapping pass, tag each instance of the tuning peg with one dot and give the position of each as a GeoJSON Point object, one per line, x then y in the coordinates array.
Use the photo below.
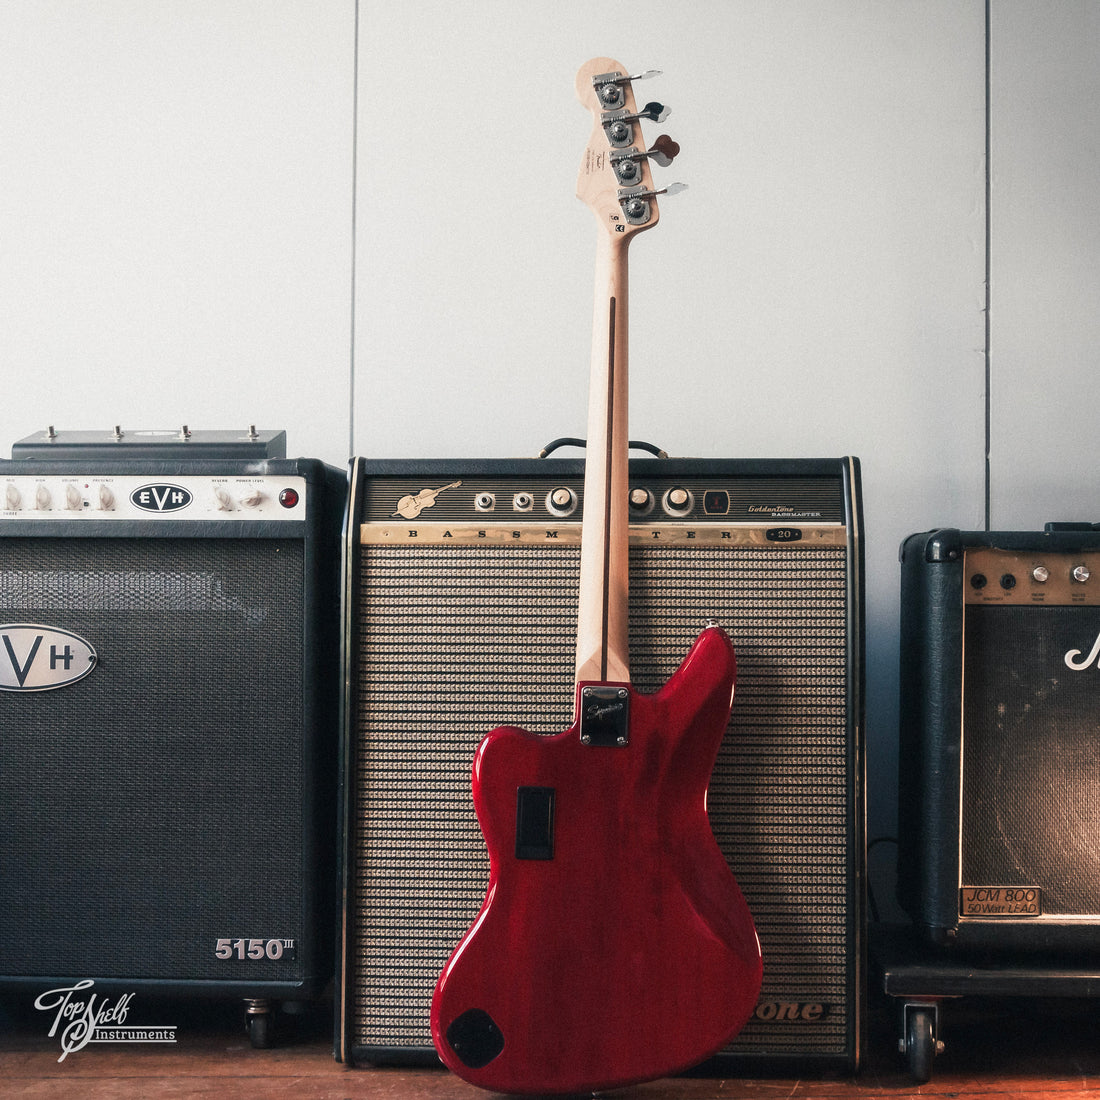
{"type": "Point", "coordinates": [618, 78]}
{"type": "Point", "coordinates": [625, 161]}
{"type": "Point", "coordinates": [635, 201]}
{"type": "Point", "coordinates": [609, 87]}
{"type": "Point", "coordinates": [664, 150]}
{"type": "Point", "coordinates": [641, 193]}
{"type": "Point", "coordinates": [619, 131]}
{"type": "Point", "coordinates": [657, 112]}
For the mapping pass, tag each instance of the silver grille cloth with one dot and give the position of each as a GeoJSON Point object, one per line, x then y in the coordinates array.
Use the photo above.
{"type": "Point", "coordinates": [457, 640]}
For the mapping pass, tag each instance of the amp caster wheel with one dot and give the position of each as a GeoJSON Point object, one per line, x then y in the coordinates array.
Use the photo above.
{"type": "Point", "coordinates": [259, 1023]}
{"type": "Point", "coordinates": [919, 1043]}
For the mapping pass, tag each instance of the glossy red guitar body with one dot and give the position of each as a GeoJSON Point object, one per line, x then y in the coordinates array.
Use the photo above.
{"type": "Point", "coordinates": [630, 954]}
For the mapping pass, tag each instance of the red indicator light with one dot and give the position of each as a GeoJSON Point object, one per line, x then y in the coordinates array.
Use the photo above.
{"type": "Point", "coordinates": [716, 502]}
{"type": "Point", "coordinates": [288, 498]}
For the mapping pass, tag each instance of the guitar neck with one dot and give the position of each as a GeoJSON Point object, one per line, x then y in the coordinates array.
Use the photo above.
{"type": "Point", "coordinates": [616, 183]}
{"type": "Point", "coordinates": [602, 614]}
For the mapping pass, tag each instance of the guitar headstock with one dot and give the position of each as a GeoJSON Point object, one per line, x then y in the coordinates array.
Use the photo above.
{"type": "Point", "coordinates": [615, 180]}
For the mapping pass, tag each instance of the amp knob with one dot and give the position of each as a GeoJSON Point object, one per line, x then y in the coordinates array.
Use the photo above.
{"type": "Point", "coordinates": [13, 498]}
{"type": "Point", "coordinates": [561, 501]}
{"type": "Point", "coordinates": [678, 501]}
{"type": "Point", "coordinates": [1081, 573]}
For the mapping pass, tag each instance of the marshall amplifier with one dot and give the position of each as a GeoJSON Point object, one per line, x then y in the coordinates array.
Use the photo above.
{"type": "Point", "coordinates": [167, 763]}
{"type": "Point", "coordinates": [999, 801]}
{"type": "Point", "coordinates": [460, 599]}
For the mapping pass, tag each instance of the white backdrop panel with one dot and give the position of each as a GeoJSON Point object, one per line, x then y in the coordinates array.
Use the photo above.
{"type": "Point", "coordinates": [175, 212]}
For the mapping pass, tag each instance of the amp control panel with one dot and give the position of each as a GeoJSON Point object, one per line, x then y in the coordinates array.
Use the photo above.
{"type": "Point", "coordinates": [993, 576]}
{"type": "Point", "coordinates": [108, 496]}
{"type": "Point", "coordinates": [538, 495]}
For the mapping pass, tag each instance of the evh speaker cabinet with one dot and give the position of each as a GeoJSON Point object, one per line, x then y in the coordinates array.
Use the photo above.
{"type": "Point", "coordinates": [168, 633]}
{"type": "Point", "coordinates": [460, 598]}
{"type": "Point", "coordinates": [999, 800]}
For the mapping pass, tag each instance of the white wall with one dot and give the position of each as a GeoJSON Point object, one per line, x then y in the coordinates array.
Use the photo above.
{"type": "Point", "coordinates": [1045, 241]}
{"type": "Point", "coordinates": [175, 194]}
{"type": "Point", "coordinates": [176, 239]}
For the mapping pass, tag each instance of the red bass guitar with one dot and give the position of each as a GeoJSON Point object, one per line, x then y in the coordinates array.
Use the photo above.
{"type": "Point", "coordinates": [614, 945]}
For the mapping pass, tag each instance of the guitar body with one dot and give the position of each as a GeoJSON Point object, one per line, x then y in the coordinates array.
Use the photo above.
{"type": "Point", "coordinates": [624, 950]}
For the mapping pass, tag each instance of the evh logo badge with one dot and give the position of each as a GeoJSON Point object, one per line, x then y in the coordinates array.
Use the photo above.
{"type": "Point", "coordinates": [40, 658]}
{"type": "Point", "coordinates": [161, 498]}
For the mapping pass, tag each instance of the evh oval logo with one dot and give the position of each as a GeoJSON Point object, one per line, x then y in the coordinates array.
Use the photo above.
{"type": "Point", "coordinates": [161, 498]}
{"type": "Point", "coordinates": [40, 658]}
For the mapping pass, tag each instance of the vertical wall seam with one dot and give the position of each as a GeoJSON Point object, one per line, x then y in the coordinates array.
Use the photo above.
{"type": "Point", "coordinates": [987, 351]}
{"type": "Point", "coordinates": [354, 229]}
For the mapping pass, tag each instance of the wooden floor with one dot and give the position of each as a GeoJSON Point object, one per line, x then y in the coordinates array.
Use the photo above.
{"type": "Point", "coordinates": [1001, 1048]}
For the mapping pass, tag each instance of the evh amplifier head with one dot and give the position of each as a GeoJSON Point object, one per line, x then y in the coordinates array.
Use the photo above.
{"type": "Point", "coordinates": [460, 590]}
{"type": "Point", "coordinates": [999, 800]}
{"type": "Point", "coordinates": [167, 639]}
{"type": "Point", "coordinates": [182, 444]}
